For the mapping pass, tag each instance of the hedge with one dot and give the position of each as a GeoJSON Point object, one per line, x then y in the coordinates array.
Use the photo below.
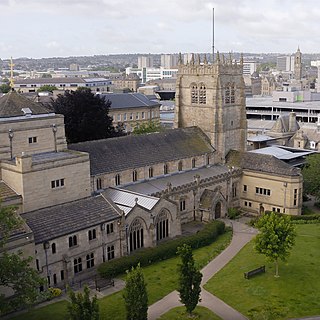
{"type": "Point", "coordinates": [163, 251]}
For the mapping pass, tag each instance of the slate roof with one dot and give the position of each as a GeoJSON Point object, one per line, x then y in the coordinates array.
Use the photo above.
{"type": "Point", "coordinates": [56, 221]}
{"type": "Point", "coordinates": [134, 151]}
{"type": "Point", "coordinates": [261, 163]}
{"type": "Point", "coordinates": [128, 100]}
{"type": "Point", "coordinates": [159, 184]}
{"type": "Point", "coordinates": [12, 103]}
{"type": "Point", "coordinates": [6, 193]}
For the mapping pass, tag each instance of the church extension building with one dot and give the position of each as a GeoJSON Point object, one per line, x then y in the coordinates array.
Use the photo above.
{"type": "Point", "coordinates": [95, 201]}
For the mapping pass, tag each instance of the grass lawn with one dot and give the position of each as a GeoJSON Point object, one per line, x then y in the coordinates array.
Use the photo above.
{"type": "Point", "coordinates": [295, 293]}
{"type": "Point", "coordinates": [199, 313]}
{"type": "Point", "coordinates": [161, 279]}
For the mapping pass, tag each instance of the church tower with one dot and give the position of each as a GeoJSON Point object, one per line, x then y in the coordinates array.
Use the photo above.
{"type": "Point", "coordinates": [297, 65]}
{"type": "Point", "coordinates": [211, 96]}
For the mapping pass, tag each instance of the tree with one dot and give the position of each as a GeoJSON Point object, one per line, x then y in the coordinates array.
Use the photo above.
{"type": "Point", "coordinates": [5, 88]}
{"type": "Point", "coordinates": [85, 115]}
{"type": "Point", "coordinates": [147, 127]}
{"type": "Point", "coordinates": [311, 178]}
{"type": "Point", "coordinates": [81, 307]}
{"type": "Point", "coordinates": [47, 88]}
{"type": "Point", "coordinates": [135, 295]}
{"type": "Point", "coordinates": [16, 273]}
{"type": "Point", "coordinates": [189, 279]}
{"type": "Point", "coordinates": [276, 237]}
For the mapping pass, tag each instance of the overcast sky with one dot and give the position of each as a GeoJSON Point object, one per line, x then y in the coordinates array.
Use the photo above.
{"type": "Point", "coordinates": [48, 28]}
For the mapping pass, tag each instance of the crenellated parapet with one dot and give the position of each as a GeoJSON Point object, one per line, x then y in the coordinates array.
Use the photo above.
{"type": "Point", "coordinates": [199, 183]}
{"type": "Point", "coordinates": [221, 65]}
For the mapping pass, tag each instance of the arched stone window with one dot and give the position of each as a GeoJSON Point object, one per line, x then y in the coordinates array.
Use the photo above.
{"type": "Point", "coordinates": [134, 175]}
{"type": "Point", "coordinates": [232, 93]}
{"type": "Point", "coordinates": [180, 166]}
{"type": "Point", "coordinates": [117, 179]}
{"type": "Point", "coordinates": [202, 94]}
{"type": "Point", "coordinates": [227, 94]}
{"type": "Point", "coordinates": [193, 163]}
{"type": "Point", "coordinates": [165, 169]}
{"type": "Point", "coordinates": [162, 225]}
{"type": "Point", "coordinates": [99, 183]}
{"type": "Point", "coordinates": [194, 93]}
{"type": "Point", "coordinates": [136, 235]}
{"type": "Point", "coordinates": [150, 172]}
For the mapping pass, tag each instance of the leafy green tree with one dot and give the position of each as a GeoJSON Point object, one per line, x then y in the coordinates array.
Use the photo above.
{"type": "Point", "coordinates": [5, 88]}
{"type": "Point", "coordinates": [85, 115]}
{"type": "Point", "coordinates": [47, 88]}
{"type": "Point", "coordinates": [135, 295]}
{"type": "Point", "coordinates": [189, 279]}
{"type": "Point", "coordinates": [311, 178]}
{"type": "Point", "coordinates": [16, 273]}
{"type": "Point", "coordinates": [147, 127]}
{"type": "Point", "coordinates": [46, 75]}
{"type": "Point", "coordinates": [81, 307]}
{"type": "Point", "coordinates": [276, 238]}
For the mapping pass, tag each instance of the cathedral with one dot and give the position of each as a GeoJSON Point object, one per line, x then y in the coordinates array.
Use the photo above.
{"type": "Point", "coordinates": [91, 202]}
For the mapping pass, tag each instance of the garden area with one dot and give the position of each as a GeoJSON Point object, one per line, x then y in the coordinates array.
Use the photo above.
{"type": "Point", "coordinates": [294, 294]}
{"type": "Point", "coordinates": [161, 279]}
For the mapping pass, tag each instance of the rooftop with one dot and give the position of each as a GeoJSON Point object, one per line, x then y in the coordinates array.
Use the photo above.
{"type": "Point", "coordinates": [12, 103]}
{"type": "Point", "coordinates": [56, 221]}
{"type": "Point", "coordinates": [153, 186]}
{"type": "Point", "coordinates": [134, 151]}
{"type": "Point", "coordinates": [128, 100]}
{"type": "Point", "coordinates": [127, 200]}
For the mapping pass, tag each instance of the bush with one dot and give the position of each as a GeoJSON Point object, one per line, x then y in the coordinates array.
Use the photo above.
{"type": "Point", "coordinates": [233, 213]}
{"type": "Point", "coordinates": [163, 251]}
{"type": "Point", "coordinates": [54, 292]}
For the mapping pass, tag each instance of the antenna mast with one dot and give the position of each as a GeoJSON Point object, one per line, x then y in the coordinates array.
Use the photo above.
{"type": "Point", "coordinates": [212, 35]}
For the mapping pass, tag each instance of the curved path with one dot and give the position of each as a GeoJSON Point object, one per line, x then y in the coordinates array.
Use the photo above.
{"type": "Point", "coordinates": [242, 234]}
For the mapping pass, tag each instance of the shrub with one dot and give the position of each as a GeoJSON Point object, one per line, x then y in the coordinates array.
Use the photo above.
{"type": "Point", "coordinates": [54, 292]}
{"type": "Point", "coordinates": [233, 213]}
{"type": "Point", "coordinates": [163, 251]}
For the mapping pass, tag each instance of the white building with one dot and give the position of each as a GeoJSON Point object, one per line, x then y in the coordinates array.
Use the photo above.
{"type": "Point", "coordinates": [249, 67]}
{"type": "Point", "coordinates": [149, 74]}
{"type": "Point", "coordinates": [169, 61]}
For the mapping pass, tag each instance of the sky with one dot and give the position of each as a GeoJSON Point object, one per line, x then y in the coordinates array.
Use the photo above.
{"type": "Point", "coordinates": [54, 28]}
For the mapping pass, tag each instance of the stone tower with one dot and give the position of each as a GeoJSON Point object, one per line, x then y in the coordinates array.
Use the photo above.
{"type": "Point", "coordinates": [211, 96]}
{"type": "Point", "coordinates": [297, 65]}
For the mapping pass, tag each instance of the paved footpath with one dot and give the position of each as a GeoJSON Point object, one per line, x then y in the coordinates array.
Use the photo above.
{"type": "Point", "coordinates": [242, 234]}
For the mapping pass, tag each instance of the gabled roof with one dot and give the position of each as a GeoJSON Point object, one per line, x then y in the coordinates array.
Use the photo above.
{"type": "Point", "coordinates": [128, 100]}
{"type": "Point", "coordinates": [134, 151]}
{"type": "Point", "coordinates": [11, 105]}
{"type": "Point", "coordinates": [261, 163]}
{"type": "Point", "coordinates": [56, 221]}
{"type": "Point", "coordinates": [127, 200]}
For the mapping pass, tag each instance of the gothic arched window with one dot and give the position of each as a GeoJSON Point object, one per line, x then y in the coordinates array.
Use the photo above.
{"type": "Point", "coordinates": [180, 166]}
{"type": "Point", "coordinates": [232, 93]}
{"type": "Point", "coordinates": [150, 172]}
{"type": "Point", "coordinates": [134, 175]}
{"type": "Point", "coordinates": [162, 225]}
{"type": "Point", "coordinates": [165, 169]}
{"type": "Point", "coordinates": [194, 93]}
{"type": "Point", "coordinates": [117, 179]}
{"type": "Point", "coordinates": [202, 94]}
{"type": "Point", "coordinates": [227, 94]}
{"type": "Point", "coordinates": [136, 235]}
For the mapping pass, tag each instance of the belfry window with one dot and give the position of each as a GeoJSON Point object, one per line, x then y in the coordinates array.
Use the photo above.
{"type": "Point", "coordinates": [194, 94]}
{"type": "Point", "coordinates": [229, 93]}
{"type": "Point", "coordinates": [202, 95]}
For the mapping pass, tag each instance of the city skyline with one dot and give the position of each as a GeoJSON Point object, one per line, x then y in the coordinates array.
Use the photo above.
{"type": "Point", "coordinates": [34, 28]}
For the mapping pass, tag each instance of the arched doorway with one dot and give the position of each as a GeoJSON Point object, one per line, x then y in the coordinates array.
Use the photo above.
{"type": "Point", "coordinates": [261, 210]}
{"type": "Point", "coordinates": [217, 210]}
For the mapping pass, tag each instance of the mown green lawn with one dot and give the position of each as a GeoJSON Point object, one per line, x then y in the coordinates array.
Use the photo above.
{"type": "Point", "coordinates": [199, 313]}
{"type": "Point", "coordinates": [295, 293]}
{"type": "Point", "coordinates": [161, 279]}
